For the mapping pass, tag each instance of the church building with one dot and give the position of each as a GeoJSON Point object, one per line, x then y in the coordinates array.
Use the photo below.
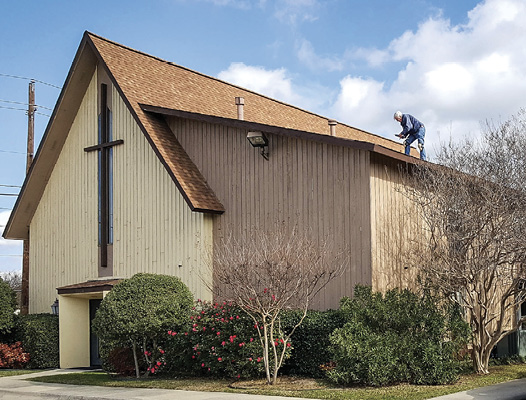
{"type": "Point", "coordinates": [145, 164]}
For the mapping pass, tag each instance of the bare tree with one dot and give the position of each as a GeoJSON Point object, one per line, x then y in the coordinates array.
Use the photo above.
{"type": "Point", "coordinates": [13, 278]}
{"type": "Point", "coordinates": [474, 210]}
{"type": "Point", "coordinates": [266, 273]}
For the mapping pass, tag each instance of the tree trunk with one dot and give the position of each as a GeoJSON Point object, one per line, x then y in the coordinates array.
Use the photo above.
{"type": "Point", "coordinates": [480, 361]}
{"type": "Point", "coordinates": [136, 361]}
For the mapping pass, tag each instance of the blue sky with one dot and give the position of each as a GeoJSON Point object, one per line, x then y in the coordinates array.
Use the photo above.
{"type": "Point", "coordinates": [451, 63]}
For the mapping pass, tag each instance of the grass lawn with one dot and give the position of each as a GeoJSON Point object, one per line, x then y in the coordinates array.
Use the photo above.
{"type": "Point", "coordinates": [13, 372]}
{"type": "Point", "coordinates": [297, 387]}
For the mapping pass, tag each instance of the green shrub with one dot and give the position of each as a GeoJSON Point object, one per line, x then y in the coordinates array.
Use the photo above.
{"type": "Point", "coordinates": [7, 307]}
{"type": "Point", "coordinates": [138, 312]}
{"type": "Point", "coordinates": [399, 337]}
{"type": "Point", "coordinates": [121, 361]}
{"type": "Point", "coordinates": [39, 336]}
{"type": "Point", "coordinates": [220, 340]}
{"type": "Point", "coordinates": [508, 360]}
{"type": "Point", "coordinates": [311, 341]}
{"type": "Point", "coordinates": [13, 356]}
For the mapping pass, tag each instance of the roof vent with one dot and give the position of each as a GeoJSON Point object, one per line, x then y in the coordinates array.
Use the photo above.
{"type": "Point", "coordinates": [332, 126]}
{"type": "Point", "coordinates": [240, 102]}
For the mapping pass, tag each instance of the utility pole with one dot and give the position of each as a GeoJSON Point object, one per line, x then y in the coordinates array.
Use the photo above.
{"type": "Point", "coordinates": [24, 296]}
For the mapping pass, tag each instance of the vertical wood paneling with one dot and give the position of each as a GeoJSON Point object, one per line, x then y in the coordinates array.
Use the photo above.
{"type": "Point", "coordinates": [64, 227]}
{"type": "Point", "coordinates": [395, 224]}
{"type": "Point", "coordinates": [314, 186]}
{"type": "Point", "coordinates": [154, 229]}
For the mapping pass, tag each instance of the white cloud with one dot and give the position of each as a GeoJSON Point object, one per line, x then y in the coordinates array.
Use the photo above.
{"type": "Point", "coordinates": [273, 83]}
{"type": "Point", "coordinates": [4, 217]}
{"type": "Point", "coordinates": [242, 4]}
{"type": "Point", "coordinates": [294, 12]}
{"type": "Point", "coordinates": [307, 56]}
{"type": "Point", "coordinates": [454, 77]}
{"type": "Point", "coordinates": [8, 248]}
{"type": "Point", "coordinates": [276, 84]}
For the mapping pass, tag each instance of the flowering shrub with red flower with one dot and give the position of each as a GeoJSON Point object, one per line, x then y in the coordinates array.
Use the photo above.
{"type": "Point", "coordinates": [13, 355]}
{"type": "Point", "coordinates": [137, 314]}
{"type": "Point", "coordinates": [221, 340]}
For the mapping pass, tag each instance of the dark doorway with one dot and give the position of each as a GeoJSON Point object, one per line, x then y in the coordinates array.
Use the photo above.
{"type": "Point", "coordinates": [94, 353]}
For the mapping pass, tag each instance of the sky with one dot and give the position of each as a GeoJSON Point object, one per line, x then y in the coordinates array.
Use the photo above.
{"type": "Point", "coordinates": [453, 64]}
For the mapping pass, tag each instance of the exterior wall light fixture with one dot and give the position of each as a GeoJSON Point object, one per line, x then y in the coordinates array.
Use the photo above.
{"type": "Point", "coordinates": [54, 307]}
{"type": "Point", "coordinates": [258, 139]}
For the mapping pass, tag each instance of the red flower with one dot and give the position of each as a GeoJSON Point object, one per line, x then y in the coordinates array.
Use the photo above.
{"type": "Point", "coordinates": [219, 359]}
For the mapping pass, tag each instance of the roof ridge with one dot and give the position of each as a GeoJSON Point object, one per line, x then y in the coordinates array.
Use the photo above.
{"type": "Point", "coordinates": [230, 84]}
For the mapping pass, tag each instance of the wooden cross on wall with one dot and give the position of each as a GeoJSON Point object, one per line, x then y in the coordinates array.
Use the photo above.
{"type": "Point", "coordinates": [104, 146]}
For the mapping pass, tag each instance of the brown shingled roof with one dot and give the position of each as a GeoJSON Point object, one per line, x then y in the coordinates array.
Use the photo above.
{"type": "Point", "coordinates": [146, 82]}
{"type": "Point", "coordinates": [150, 80]}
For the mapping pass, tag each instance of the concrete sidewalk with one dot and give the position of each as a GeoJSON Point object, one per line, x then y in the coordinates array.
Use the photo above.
{"type": "Point", "coordinates": [512, 390]}
{"type": "Point", "coordinates": [18, 388]}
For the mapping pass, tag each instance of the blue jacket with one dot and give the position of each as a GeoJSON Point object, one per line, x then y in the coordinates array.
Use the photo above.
{"type": "Point", "coordinates": [410, 125]}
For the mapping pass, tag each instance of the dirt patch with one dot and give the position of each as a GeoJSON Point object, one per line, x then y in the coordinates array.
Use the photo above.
{"type": "Point", "coordinates": [284, 383]}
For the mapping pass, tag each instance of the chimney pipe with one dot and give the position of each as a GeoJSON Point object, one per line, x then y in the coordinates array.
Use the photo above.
{"type": "Point", "coordinates": [332, 127]}
{"type": "Point", "coordinates": [240, 102]}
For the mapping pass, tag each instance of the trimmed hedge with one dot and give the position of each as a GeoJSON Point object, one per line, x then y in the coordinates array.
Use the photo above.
{"type": "Point", "coordinates": [7, 307]}
{"type": "Point", "coordinates": [310, 341]}
{"type": "Point", "coordinates": [397, 337]}
{"type": "Point", "coordinates": [39, 336]}
{"type": "Point", "coordinates": [137, 314]}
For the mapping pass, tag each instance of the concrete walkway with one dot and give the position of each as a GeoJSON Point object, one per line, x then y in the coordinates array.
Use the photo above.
{"type": "Point", "coordinates": [512, 390]}
{"type": "Point", "coordinates": [18, 388]}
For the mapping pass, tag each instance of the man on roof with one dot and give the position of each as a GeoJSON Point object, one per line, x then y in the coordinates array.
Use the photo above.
{"type": "Point", "coordinates": [413, 130]}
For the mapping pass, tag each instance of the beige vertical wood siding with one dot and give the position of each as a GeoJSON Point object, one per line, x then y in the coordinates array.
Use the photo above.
{"type": "Point", "coordinates": [314, 186]}
{"type": "Point", "coordinates": [154, 229]}
{"type": "Point", "coordinates": [394, 226]}
{"type": "Point", "coordinates": [63, 231]}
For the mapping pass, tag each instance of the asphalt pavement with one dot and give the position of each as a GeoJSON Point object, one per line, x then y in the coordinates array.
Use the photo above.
{"type": "Point", "coordinates": [19, 388]}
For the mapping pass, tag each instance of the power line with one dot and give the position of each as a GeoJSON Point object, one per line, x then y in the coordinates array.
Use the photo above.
{"type": "Point", "coordinates": [10, 255]}
{"type": "Point", "coordinates": [14, 186]}
{"type": "Point", "coordinates": [23, 109]}
{"type": "Point", "coordinates": [30, 79]}
{"type": "Point", "coordinates": [8, 194]}
{"type": "Point", "coordinates": [25, 104]}
{"type": "Point", "coordinates": [12, 152]}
